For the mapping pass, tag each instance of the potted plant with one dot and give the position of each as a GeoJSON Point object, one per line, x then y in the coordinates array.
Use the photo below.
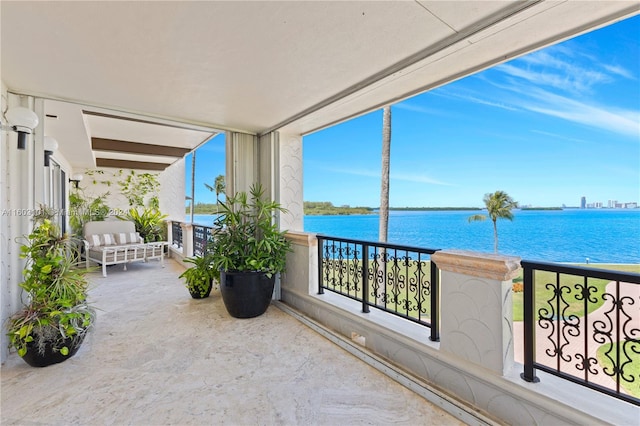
{"type": "Point", "coordinates": [200, 277]}
{"type": "Point", "coordinates": [52, 326]}
{"type": "Point", "coordinates": [249, 250]}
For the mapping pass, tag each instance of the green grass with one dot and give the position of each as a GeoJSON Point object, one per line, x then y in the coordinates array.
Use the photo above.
{"type": "Point", "coordinates": [576, 307]}
{"type": "Point", "coordinates": [630, 369]}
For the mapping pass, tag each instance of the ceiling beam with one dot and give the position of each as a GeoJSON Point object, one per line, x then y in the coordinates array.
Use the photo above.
{"type": "Point", "coordinates": [125, 164]}
{"type": "Point", "coordinates": [114, 145]}
{"type": "Point", "coordinates": [177, 125]}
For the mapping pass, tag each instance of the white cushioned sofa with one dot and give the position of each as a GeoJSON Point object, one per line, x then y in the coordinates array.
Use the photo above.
{"type": "Point", "coordinates": [112, 242]}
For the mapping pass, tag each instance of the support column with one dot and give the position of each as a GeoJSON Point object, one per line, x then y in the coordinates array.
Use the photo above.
{"type": "Point", "coordinates": [187, 239]}
{"type": "Point", "coordinates": [17, 168]}
{"type": "Point", "coordinates": [169, 224]}
{"type": "Point", "coordinates": [242, 162]}
{"type": "Point", "coordinates": [290, 181]}
{"type": "Point", "coordinates": [477, 310]}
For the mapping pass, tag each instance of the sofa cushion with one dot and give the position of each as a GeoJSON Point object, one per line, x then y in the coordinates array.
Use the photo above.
{"type": "Point", "coordinates": [127, 238]}
{"type": "Point", "coordinates": [108, 240]}
{"type": "Point", "coordinates": [94, 240]}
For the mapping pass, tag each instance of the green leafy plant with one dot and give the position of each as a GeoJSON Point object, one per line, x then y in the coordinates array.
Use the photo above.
{"type": "Point", "coordinates": [200, 277]}
{"type": "Point", "coordinates": [149, 223]}
{"type": "Point", "coordinates": [137, 186]}
{"type": "Point", "coordinates": [57, 291]}
{"type": "Point", "coordinates": [85, 209]}
{"type": "Point", "coordinates": [246, 237]}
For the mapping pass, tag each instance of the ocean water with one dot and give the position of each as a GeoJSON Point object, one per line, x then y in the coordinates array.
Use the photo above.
{"type": "Point", "coordinates": [571, 235]}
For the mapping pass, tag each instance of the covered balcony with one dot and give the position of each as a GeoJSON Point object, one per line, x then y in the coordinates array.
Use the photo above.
{"type": "Point", "coordinates": [157, 356]}
{"type": "Point", "coordinates": [135, 86]}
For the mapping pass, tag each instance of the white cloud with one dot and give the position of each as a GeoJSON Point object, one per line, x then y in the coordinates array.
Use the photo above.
{"type": "Point", "coordinates": [618, 70]}
{"type": "Point", "coordinates": [625, 122]}
{"type": "Point", "coordinates": [470, 98]}
{"type": "Point", "coordinates": [418, 179]}
{"type": "Point", "coordinates": [557, 136]}
{"type": "Point", "coordinates": [421, 109]}
{"type": "Point", "coordinates": [393, 176]}
{"type": "Point", "coordinates": [571, 79]}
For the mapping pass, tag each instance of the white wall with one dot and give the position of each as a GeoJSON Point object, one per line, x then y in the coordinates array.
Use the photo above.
{"type": "Point", "coordinates": [21, 191]}
{"type": "Point", "coordinates": [172, 191]}
{"type": "Point", "coordinates": [17, 179]}
{"type": "Point", "coordinates": [97, 184]}
{"type": "Point", "coordinates": [5, 292]}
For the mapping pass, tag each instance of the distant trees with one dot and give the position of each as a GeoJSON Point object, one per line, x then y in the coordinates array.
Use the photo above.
{"type": "Point", "coordinates": [320, 208]}
{"type": "Point", "coordinates": [499, 206]}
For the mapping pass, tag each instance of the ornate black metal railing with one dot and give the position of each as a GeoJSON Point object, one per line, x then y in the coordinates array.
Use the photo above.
{"type": "Point", "coordinates": [176, 232]}
{"type": "Point", "coordinates": [397, 279]}
{"type": "Point", "coordinates": [201, 237]}
{"type": "Point", "coordinates": [583, 324]}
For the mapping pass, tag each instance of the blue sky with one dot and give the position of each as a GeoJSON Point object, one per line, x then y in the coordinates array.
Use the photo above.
{"type": "Point", "coordinates": [548, 128]}
{"type": "Point", "coordinates": [210, 162]}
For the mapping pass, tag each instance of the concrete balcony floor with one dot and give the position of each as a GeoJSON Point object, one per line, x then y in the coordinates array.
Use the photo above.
{"type": "Point", "coordinates": [157, 356]}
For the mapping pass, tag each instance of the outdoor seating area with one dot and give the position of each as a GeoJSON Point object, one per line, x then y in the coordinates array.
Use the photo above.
{"type": "Point", "coordinates": [116, 242]}
{"type": "Point", "coordinates": [157, 356]}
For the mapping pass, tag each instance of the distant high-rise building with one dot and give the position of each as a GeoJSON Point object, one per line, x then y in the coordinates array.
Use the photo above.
{"type": "Point", "coordinates": [583, 202]}
{"type": "Point", "coordinates": [612, 204]}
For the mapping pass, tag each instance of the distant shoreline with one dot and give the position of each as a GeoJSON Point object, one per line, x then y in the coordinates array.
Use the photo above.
{"type": "Point", "coordinates": [421, 209]}
{"type": "Point", "coordinates": [541, 208]}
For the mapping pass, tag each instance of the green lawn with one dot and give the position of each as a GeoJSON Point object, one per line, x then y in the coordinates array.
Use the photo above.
{"type": "Point", "coordinates": [630, 369]}
{"type": "Point", "coordinates": [576, 307]}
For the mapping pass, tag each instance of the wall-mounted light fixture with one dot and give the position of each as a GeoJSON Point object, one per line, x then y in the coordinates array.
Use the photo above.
{"type": "Point", "coordinates": [50, 146]}
{"type": "Point", "coordinates": [23, 121]}
{"type": "Point", "coordinates": [76, 179]}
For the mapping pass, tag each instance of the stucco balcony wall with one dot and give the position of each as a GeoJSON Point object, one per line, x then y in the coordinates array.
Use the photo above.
{"type": "Point", "coordinates": [491, 385]}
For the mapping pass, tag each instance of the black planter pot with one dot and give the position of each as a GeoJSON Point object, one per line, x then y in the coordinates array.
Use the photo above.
{"type": "Point", "coordinates": [246, 294]}
{"type": "Point", "coordinates": [196, 294]}
{"type": "Point", "coordinates": [50, 357]}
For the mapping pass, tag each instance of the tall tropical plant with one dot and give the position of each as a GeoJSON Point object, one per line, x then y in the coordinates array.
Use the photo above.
{"type": "Point", "coordinates": [57, 316]}
{"type": "Point", "coordinates": [246, 237]}
{"type": "Point", "coordinates": [84, 209]}
{"type": "Point", "coordinates": [218, 187]}
{"type": "Point", "coordinates": [384, 184]}
{"type": "Point", "coordinates": [499, 206]}
{"type": "Point", "coordinates": [149, 223]}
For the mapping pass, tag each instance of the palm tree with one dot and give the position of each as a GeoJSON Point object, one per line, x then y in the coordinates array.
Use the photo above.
{"type": "Point", "coordinates": [499, 206]}
{"type": "Point", "coordinates": [384, 185]}
{"type": "Point", "coordinates": [384, 199]}
{"type": "Point", "coordinates": [218, 187]}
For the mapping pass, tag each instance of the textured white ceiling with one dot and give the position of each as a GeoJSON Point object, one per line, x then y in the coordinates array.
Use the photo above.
{"type": "Point", "coordinates": [256, 66]}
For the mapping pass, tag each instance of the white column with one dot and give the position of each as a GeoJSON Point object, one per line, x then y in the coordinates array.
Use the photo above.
{"type": "Point", "coordinates": [187, 239]}
{"type": "Point", "coordinates": [476, 307]}
{"type": "Point", "coordinates": [18, 180]}
{"type": "Point", "coordinates": [291, 181]}
{"type": "Point", "coordinates": [242, 162]}
{"type": "Point", "coordinates": [169, 224]}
